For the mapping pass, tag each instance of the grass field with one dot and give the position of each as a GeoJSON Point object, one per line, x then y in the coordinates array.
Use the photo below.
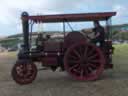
{"type": "Point", "coordinates": [121, 53]}
{"type": "Point", "coordinates": [120, 57]}
{"type": "Point", "coordinates": [112, 82]}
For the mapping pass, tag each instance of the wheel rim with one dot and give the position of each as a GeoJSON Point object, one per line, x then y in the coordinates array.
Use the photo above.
{"type": "Point", "coordinates": [84, 61]}
{"type": "Point", "coordinates": [24, 72]}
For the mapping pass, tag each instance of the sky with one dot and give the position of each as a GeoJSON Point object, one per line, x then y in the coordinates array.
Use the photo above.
{"type": "Point", "coordinates": [10, 22]}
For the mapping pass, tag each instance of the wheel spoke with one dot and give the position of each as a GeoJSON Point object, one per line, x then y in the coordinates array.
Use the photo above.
{"type": "Point", "coordinates": [76, 53]}
{"type": "Point", "coordinates": [85, 51]}
{"type": "Point", "coordinates": [82, 73]}
{"type": "Point", "coordinates": [73, 57]}
{"type": "Point", "coordinates": [94, 61]}
{"type": "Point", "coordinates": [89, 69]}
{"type": "Point", "coordinates": [85, 70]}
{"type": "Point", "coordinates": [91, 51]}
{"type": "Point", "coordinates": [92, 65]}
{"type": "Point", "coordinates": [73, 67]}
{"type": "Point", "coordinates": [74, 61]}
{"type": "Point", "coordinates": [92, 56]}
{"type": "Point", "coordinates": [77, 69]}
{"type": "Point", "coordinates": [81, 51]}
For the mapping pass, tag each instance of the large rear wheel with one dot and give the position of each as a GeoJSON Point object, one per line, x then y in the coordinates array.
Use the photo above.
{"type": "Point", "coordinates": [84, 61]}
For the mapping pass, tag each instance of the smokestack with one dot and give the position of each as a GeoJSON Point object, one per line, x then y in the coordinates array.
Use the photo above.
{"type": "Point", "coordinates": [25, 28]}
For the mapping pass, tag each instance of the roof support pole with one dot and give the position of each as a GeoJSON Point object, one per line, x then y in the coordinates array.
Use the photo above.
{"type": "Point", "coordinates": [64, 28]}
{"type": "Point", "coordinates": [109, 30]}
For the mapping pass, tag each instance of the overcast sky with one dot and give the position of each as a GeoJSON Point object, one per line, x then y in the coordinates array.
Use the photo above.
{"type": "Point", "coordinates": [11, 10]}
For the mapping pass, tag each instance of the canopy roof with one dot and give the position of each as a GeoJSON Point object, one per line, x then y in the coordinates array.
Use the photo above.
{"type": "Point", "coordinates": [71, 17]}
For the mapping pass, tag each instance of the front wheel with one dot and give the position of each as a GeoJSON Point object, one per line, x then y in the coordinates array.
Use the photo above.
{"type": "Point", "coordinates": [24, 72]}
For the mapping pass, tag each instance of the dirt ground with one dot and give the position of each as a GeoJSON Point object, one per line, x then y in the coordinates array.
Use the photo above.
{"type": "Point", "coordinates": [112, 83]}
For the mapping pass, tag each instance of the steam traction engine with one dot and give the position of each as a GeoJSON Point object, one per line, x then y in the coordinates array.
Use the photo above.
{"type": "Point", "coordinates": [81, 59]}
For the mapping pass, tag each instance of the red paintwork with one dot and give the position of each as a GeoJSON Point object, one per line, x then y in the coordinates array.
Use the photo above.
{"type": "Point", "coordinates": [71, 17]}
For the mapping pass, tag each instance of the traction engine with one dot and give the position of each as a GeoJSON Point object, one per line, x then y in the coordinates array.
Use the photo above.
{"type": "Point", "coordinates": [74, 54]}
